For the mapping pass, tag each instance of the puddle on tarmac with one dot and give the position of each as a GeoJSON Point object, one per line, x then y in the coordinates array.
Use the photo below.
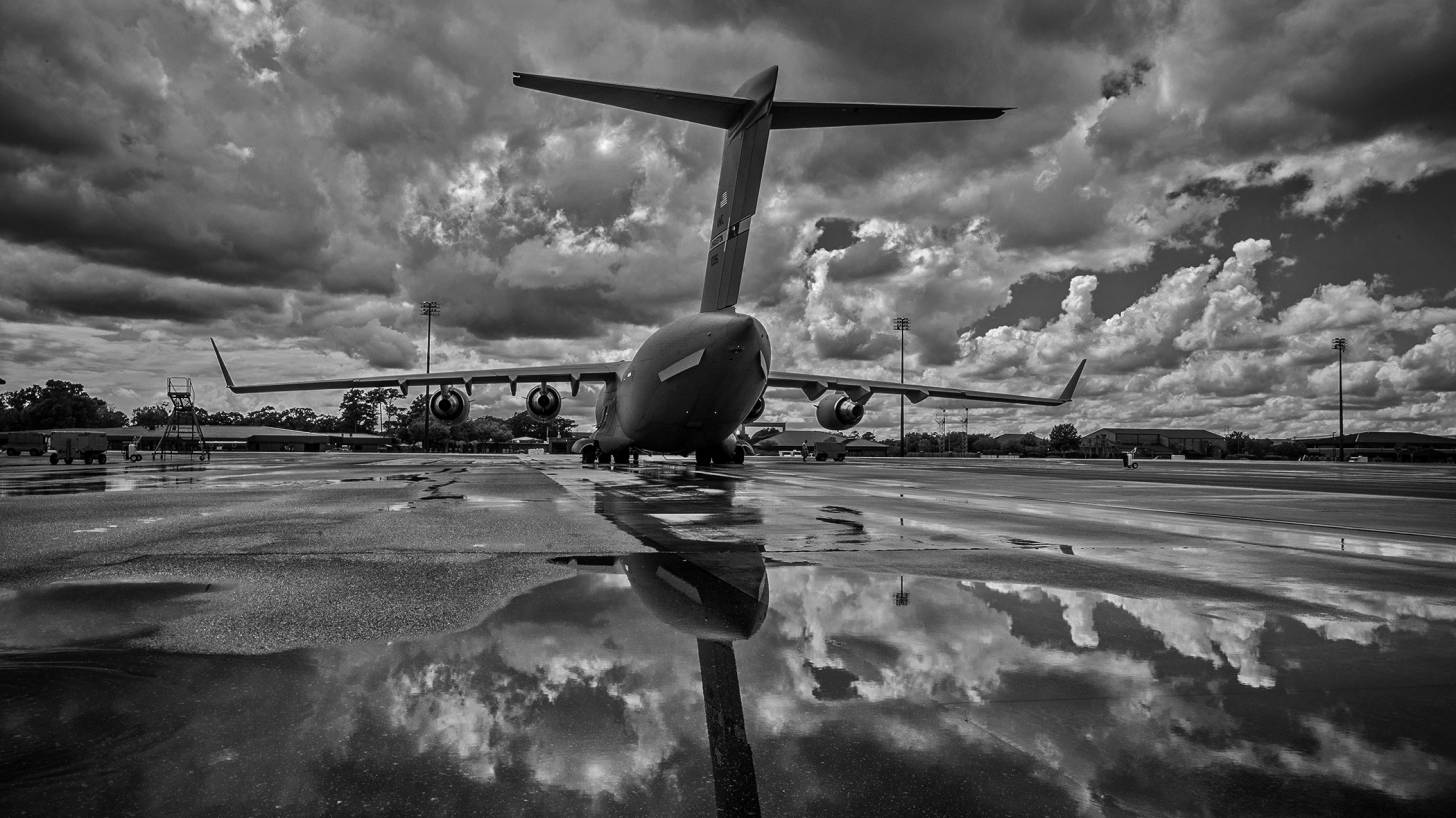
{"type": "Point", "coordinates": [73, 614]}
{"type": "Point", "coordinates": [703, 675]}
{"type": "Point", "coordinates": [667, 684]}
{"type": "Point", "coordinates": [70, 480]}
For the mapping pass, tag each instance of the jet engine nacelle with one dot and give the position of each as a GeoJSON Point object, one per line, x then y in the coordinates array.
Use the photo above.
{"type": "Point", "coordinates": [450, 405]}
{"type": "Point", "coordinates": [543, 402]}
{"type": "Point", "coordinates": [839, 413]}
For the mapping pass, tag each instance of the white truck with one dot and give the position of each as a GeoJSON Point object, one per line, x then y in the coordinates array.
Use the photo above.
{"type": "Point", "coordinates": [68, 446]}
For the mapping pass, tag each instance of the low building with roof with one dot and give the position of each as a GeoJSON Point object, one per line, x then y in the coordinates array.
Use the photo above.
{"type": "Point", "coordinates": [792, 440]}
{"type": "Point", "coordinates": [1383, 446]}
{"type": "Point", "coordinates": [860, 447]}
{"type": "Point", "coordinates": [1113, 442]}
{"type": "Point", "coordinates": [254, 439]}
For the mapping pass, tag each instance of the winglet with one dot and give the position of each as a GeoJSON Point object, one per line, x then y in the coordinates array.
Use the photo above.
{"type": "Point", "coordinates": [227, 378]}
{"type": "Point", "coordinates": [1066, 393]}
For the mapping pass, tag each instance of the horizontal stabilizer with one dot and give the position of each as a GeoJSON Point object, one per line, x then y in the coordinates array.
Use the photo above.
{"type": "Point", "coordinates": [833, 114]}
{"type": "Point", "coordinates": [703, 109]}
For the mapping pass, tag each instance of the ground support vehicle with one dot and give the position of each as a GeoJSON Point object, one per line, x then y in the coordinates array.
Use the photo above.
{"type": "Point", "coordinates": [830, 448]}
{"type": "Point", "coordinates": [68, 446]}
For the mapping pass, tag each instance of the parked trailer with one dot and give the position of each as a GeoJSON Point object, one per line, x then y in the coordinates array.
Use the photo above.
{"type": "Point", "coordinates": [68, 446]}
{"type": "Point", "coordinates": [33, 442]}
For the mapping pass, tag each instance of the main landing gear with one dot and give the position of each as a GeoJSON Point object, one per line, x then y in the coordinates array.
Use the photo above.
{"type": "Point", "coordinates": [709, 457]}
{"type": "Point", "coordinates": [594, 454]}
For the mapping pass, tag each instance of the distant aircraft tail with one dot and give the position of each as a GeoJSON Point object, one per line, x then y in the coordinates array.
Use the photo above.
{"type": "Point", "coordinates": [748, 116]}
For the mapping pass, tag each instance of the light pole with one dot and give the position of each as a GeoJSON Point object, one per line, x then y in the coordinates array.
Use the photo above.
{"type": "Point", "coordinates": [1339, 347]}
{"type": "Point", "coordinates": [901, 324]}
{"type": "Point", "coordinates": [429, 309]}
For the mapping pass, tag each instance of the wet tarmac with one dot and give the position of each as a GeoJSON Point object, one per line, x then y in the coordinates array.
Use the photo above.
{"type": "Point", "coordinates": [406, 635]}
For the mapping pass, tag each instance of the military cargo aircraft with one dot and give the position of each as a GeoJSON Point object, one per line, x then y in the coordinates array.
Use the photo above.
{"type": "Point", "coordinates": [694, 382]}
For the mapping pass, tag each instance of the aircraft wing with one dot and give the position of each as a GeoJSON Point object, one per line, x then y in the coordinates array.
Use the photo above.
{"type": "Point", "coordinates": [860, 390]}
{"type": "Point", "coordinates": [574, 374]}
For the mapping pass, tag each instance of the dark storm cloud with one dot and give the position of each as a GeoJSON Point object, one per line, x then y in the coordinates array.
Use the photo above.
{"type": "Point", "coordinates": [857, 341]}
{"type": "Point", "coordinates": [1119, 82]}
{"type": "Point", "coordinates": [91, 290]}
{"type": "Point", "coordinates": [1270, 74]}
{"type": "Point", "coordinates": [958, 53]}
{"type": "Point", "coordinates": [1396, 69]}
{"type": "Point", "coordinates": [1117, 25]}
{"type": "Point", "coordinates": [499, 312]}
{"type": "Point", "coordinates": [868, 259]}
{"type": "Point", "coordinates": [122, 147]}
{"type": "Point", "coordinates": [835, 234]}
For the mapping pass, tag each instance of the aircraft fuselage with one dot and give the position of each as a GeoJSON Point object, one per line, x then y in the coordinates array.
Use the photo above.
{"type": "Point", "coordinates": [688, 388]}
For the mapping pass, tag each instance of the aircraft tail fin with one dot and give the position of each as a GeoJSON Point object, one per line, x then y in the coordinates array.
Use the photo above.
{"type": "Point", "coordinates": [748, 116]}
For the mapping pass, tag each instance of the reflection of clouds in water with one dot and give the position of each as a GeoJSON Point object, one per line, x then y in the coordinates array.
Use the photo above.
{"type": "Point", "coordinates": [592, 708]}
{"type": "Point", "coordinates": [815, 612]}
{"type": "Point", "coordinates": [1197, 631]}
{"type": "Point", "coordinates": [1404, 771]}
{"type": "Point", "coordinates": [1366, 613]}
{"type": "Point", "coordinates": [604, 703]}
{"type": "Point", "coordinates": [1214, 633]}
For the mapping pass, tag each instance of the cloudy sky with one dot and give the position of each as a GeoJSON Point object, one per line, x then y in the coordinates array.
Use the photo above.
{"type": "Point", "coordinates": [1196, 197]}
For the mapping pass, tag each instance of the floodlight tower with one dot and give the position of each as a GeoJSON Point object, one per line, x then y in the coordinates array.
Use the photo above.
{"type": "Point", "coordinates": [429, 309]}
{"type": "Point", "coordinates": [1339, 347]}
{"type": "Point", "coordinates": [901, 324]}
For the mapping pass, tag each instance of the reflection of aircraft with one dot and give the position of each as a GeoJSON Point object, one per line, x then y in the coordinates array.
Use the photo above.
{"type": "Point", "coordinates": [693, 382]}
{"type": "Point", "coordinates": [712, 589]}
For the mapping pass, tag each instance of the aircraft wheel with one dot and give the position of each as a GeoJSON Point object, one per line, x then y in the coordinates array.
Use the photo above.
{"type": "Point", "coordinates": [55, 458]}
{"type": "Point", "coordinates": [1134, 465]}
{"type": "Point", "coordinates": [603, 458]}
{"type": "Point", "coordinates": [738, 455]}
{"type": "Point", "coordinates": [704, 458]}
{"type": "Point", "coordinates": [622, 458]}
{"type": "Point", "coordinates": [588, 455]}
{"type": "Point", "coordinates": [101, 458]}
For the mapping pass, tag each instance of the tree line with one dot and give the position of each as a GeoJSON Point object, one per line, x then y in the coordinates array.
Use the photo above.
{"type": "Point", "coordinates": [65, 405]}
